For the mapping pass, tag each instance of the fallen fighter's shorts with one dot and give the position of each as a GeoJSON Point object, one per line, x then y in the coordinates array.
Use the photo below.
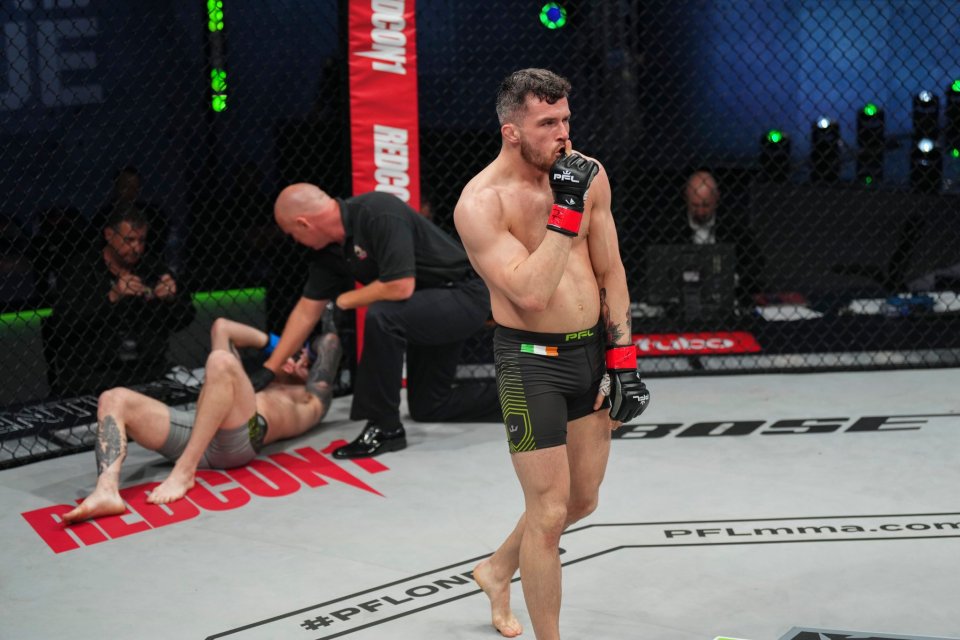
{"type": "Point", "coordinates": [546, 380]}
{"type": "Point", "coordinates": [229, 448]}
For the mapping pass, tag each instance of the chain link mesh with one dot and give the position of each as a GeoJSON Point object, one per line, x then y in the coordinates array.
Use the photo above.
{"type": "Point", "coordinates": [835, 179]}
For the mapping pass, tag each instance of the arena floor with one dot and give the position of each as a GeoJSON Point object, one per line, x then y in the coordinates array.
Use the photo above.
{"type": "Point", "coordinates": [773, 507]}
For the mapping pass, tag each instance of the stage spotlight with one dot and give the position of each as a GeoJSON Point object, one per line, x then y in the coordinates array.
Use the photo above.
{"type": "Point", "coordinates": [926, 116]}
{"type": "Point", "coordinates": [825, 151]}
{"type": "Point", "coordinates": [871, 144]}
{"type": "Point", "coordinates": [952, 133]}
{"type": "Point", "coordinates": [553, 15]}
{"type": "Point", "coordinates": [215, 15]}
{"type": "Point", "coordinates": [218, 88]}
{"type": "Point", "coordinates": [926, 166]}
{"type": "Point", "coordinates": [775, 155]}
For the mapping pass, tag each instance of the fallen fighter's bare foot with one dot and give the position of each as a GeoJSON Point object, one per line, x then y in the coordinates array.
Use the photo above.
{"type": "Point", "coordinates": [499, 593]}
{"type": "Point", "coordinates": [102, 502]}
{"type": "Point", "coordinates": [171, 489]}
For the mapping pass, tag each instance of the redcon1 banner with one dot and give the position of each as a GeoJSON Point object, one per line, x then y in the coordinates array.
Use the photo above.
{"type": "Point", "coordinates": [695, 344]}
{"type": "Point", "coordinates": [384, 130]}
{"type": "Point", "coordinates": [384, 125]}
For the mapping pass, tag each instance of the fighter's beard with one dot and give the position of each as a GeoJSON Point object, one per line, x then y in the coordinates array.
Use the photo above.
{"type": "Point", "coordinates": [531, 157]}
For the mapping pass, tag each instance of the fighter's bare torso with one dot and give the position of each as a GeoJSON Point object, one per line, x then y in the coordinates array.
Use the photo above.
{"type": "Point", "coordinates": [288, 410]}
{"type": "Point", "coordinates": [521, 208]}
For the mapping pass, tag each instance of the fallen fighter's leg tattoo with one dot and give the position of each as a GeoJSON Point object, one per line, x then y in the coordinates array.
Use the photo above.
{"type": "Point", "coordinates": [111, 444]}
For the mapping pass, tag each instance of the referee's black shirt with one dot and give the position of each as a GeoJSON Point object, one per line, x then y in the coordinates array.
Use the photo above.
{"type": "Point", "coordinates": [385, 240]}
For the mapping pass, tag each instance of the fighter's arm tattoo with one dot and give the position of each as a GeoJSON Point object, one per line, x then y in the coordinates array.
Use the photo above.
{"type": "Point", "coordinates": [321, 374]}
{"type": "Point", "coordinates": [111, 444]}
{"type": "Point", "coordinates": [615, 331]}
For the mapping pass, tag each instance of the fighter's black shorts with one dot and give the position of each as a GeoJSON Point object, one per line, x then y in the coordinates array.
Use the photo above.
{"type": "Point", "coordinates": [546, 380]}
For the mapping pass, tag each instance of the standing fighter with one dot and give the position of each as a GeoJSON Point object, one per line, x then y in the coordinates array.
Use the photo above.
{"type": "Point", "coordinates": [548, 252]}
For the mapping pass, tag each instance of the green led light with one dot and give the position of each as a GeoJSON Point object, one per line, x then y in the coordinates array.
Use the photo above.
{"type": "Point", "coordinates": [215, 15]}
{"type": "Point", "coordinates": [257, 294]}
{"type": "Point", "coordinates": [553, 16]}
{"type": "Point", "coordinates": [955, 87]}
{"type": "Point", "coordinates": [218, 80]}
{"type": "Point", "coordinates": [201, 298]}
{"type": "Point", "coordinates": [955, 153]}
{"type": "Point", "coordinates": [868, 180]}
{"type": "Point", "coordinates": [870, 109]}
{"type": "Point", "coordinates": [23, 318]}
{"type": "Point", "coordinates": [219, 102]}
{"type": "Point", "coordinates": [30, 319]}
{"type": "Point", "coordinates": [774, 136]}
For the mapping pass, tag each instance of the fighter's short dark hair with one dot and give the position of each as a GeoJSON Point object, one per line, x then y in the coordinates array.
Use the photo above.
{"type": "Point", "coordinates": [540, 83]}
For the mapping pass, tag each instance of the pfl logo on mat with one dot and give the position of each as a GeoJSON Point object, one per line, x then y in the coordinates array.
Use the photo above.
{"type": "Point", "coordinates": [825, 634]}
{"type": "Point", "coordinates": [822, 634]}
{"type": "Point", "coordinates": [281, 475]}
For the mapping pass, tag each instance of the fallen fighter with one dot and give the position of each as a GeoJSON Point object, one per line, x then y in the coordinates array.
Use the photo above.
{"type": "Point", "coordinates": [229, 426]}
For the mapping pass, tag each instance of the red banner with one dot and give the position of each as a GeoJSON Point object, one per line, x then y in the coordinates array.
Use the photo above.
{"type": "Point", "coordinates": [384, 121]}
{"type": "Point", "coordinates": [384, 124]}
{"type": "Point", "coordinates": [695, 344]}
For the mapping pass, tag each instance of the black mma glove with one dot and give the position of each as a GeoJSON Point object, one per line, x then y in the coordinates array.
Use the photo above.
{"type": "Point", "coordinates": [570, 178]}
{"type": "Point", "coordinates": [628, 395]}
{"type": "Point", "coordinates": [261, 378]}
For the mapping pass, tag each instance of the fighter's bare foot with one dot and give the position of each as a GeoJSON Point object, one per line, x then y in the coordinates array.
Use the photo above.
{"type": "Point", "coordinates": [171, 489]}
{"type": "Point", "coordinates": [498, 591]}
{"type": "Point", "coordinates": [97, 504]}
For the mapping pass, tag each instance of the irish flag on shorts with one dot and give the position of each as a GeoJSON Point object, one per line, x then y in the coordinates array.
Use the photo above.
{"type": "Point", "coordinates": [540, 350]}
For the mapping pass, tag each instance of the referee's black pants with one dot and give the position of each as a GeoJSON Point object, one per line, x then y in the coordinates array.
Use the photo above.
{"type": "Point", "coordinates": [430, 328]}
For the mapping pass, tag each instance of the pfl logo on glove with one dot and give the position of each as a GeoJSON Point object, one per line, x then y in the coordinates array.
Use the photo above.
{"type": "Point", "coordinates": [566, 176]}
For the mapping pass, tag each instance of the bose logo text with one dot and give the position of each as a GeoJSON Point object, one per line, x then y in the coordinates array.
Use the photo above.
{"type": "Point", "coordinates": [797, 426]}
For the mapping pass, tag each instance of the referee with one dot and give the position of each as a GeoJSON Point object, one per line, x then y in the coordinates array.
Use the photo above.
{"type": "Point", "coordinates": [424, 301]}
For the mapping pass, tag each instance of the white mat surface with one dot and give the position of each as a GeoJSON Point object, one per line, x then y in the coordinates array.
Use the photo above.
{"type": "Point", "coordinates": [716, 518]}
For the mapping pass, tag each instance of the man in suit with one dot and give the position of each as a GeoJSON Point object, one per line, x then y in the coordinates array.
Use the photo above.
{"type": "Point", "coordinates": [703, 225]}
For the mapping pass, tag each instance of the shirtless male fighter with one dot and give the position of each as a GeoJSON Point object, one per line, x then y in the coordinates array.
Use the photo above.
{"type": "Point", "coordinates": [538, 227]}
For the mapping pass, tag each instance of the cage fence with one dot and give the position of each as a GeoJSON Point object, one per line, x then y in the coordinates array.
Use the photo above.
{"type": "Point", "coordinates": [784, 177]}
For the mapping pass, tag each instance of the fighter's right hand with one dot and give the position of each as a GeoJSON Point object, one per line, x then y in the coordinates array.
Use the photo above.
{"type": "Point", "coordinates": [261, 378]}
{"type": "Point", "coordinates": [298, 367]}
{"type": "Point", "coordinates": [570, 178]}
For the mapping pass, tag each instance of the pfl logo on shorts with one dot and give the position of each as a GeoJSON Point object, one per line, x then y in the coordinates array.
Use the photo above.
{"type": "Point", "coordinates": [565, 176]}
{"type": "Point", "coordinates": [586, 333]}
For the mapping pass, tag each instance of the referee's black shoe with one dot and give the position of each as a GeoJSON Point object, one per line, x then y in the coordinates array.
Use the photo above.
{"type": "Point", "coordinates": [373, 441]}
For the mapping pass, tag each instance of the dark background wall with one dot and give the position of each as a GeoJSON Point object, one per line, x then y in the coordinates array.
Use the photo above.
{"type": "Point", "coordinates": [660, 87]}
{"type": "Point", "coordinates": [90, 84]}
